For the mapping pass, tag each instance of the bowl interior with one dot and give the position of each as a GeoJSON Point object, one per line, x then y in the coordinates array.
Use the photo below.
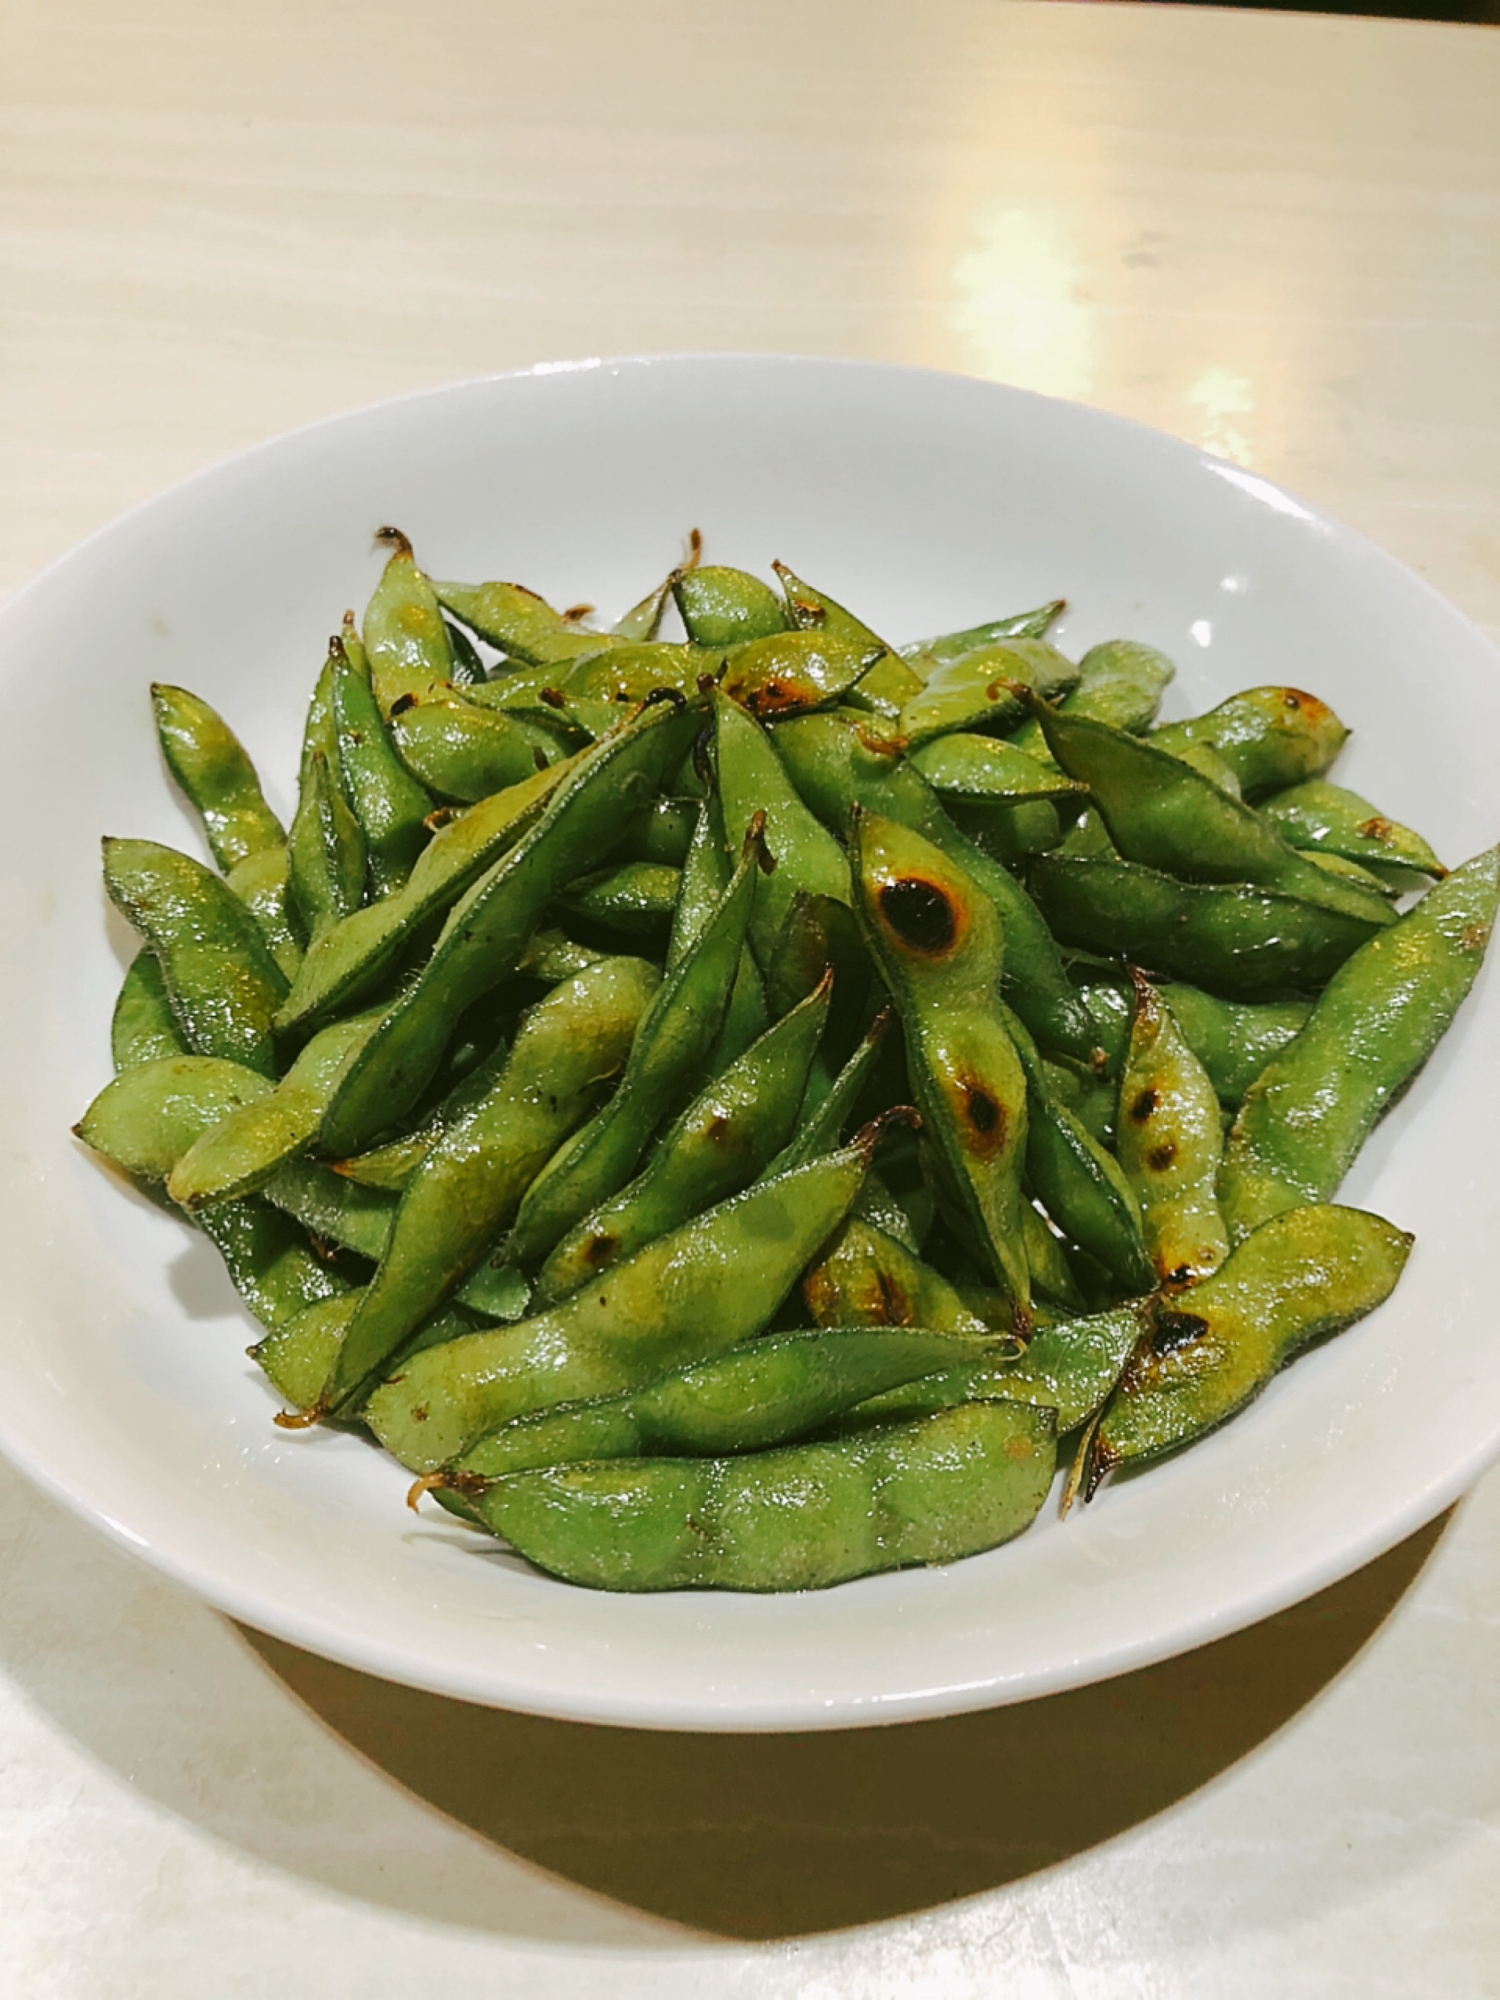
{"type": "Point", "coordinates": [926, 502]}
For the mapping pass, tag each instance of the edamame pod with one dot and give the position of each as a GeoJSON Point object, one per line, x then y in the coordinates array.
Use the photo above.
{"type": "Point", "coordinates": [469, 1184]}
{"type": "Point", "coordinates": [1374, 1025]}
{"type": "Point", "coordinates": [488, 929]}
{"type": "Point", "coordinates": [820, 1128]}
{"type": "Point", "coordinates": [718, 1145]}
{"type": "Point", "coordinates": [1171, 1140]}
{"type": "Point", "coordinates": [209, 762]}
{"type": "Point", "coordinates": [143, 1027]}
{"type": "Point", "coordinates": [458, 751]}
{"type": "Point", "coordinates": [1241, 940]}
{"type": "Point", "coordinates": [1082, 1187]}
{"type": "Point", "coordinates": [1270, 737]}
{"type": "Point", "coordinates": [799, 1518]}
{"type": "Point", "coordinates": [1303, 1274]}
{"type": "Point", "coordinates": [637, 898]}
{"type": "Point", "coordinates": [795, 671]}
{"type": "Point", "coordinates": [758, 1394]}
{"type": "Point", "coordinates": [1326, 819]}
{"type": "Point", "coordinates": [262, 883]}
{"type": "Point", "coordinates": [937, 939]}
{"type": "Point", "coordinates": [924, 654]}
{"type": "Point", "coordinates": [241, 1152]}
{"type": "Point", "coordinates": [325, 853]}
{"type": "Point", "coordinates": [983, 688]}
{"type": "Point", "coordinates": [405, 638]}
{"type": "Point", "coordinates": [867, 1278]}
{"type": "Point", "coordinates": [1164, 814]}
{"type": "Point", "coordinates": [676, 1032]}
{"type": "Point", "coordinates": [523, 625]}
{"type": "Point", "coordinates": [385, 798]}
{"type": "Point", "coordinates": [351, 956]}
{"type": "Point", "coordinates": [1233, 1039]}
{"type": "Point", "coordinates": [218, 971]}
{"type": "Point", "coordinates": [886, 684]}
{"type": "Point", "coordinates": [964, 766]}
{"type": "Point", "coordinates": [723, 607]}
{"type": "Point", "coordinates": [298, 1353]}
{"type": "Point", "coordinates": [146, 1119]}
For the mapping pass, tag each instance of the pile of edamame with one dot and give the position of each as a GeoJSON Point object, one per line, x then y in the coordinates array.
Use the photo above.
{"type": "Point", "coordinates": [725, 1112]}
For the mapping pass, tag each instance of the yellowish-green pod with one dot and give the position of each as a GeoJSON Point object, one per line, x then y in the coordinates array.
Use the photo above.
{"type": "Point", "coordinates": [867, 1278]}
{"type": "Point", "coordinates": [1171, 1140]}
{"type": "Point", "coordinates": [209, 762]}
{"type": "Point", "coordinates": [405, 639]}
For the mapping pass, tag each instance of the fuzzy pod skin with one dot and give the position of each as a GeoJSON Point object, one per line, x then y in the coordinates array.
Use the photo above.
{"type": "Point", "coordinates": [1305, 1273]}
{"type": "Point", "coordinates": [840, 760]}
{"type": "Point", "coordinates": [470, 1183]}
{"type": "Point", "coordinates": [1270, 737]}
{"type": "Point", "coordinates": [384, 797]}
{"type": "Point", "coordinates": [676, 1034]}
{"type": "Point", "coordinates": [718, 1145]}
{"type": "Point", "coordinates": [353, 952]}
{"type": "Point", "coordinates": [636, 898]}
{"type": "Point", "coordinates": [1326, 819]}
{"type": "Point", "coordinates": [217, 968]}
{"type": "Point", "coordinates": [143, 1027]}
{"type": "Point", "coordinates": [1163, 814]}
{"type": "Point", "coordinates": [262, 881]}
{"type": "Point", "coordinates": [697, 1290]}
{"type": "Point", "coordinates": [937, 939]}
{"type": "Point", "coordinates": [216, 776]}
{"type": "Point", "coordinates": [1070, 1368]}
{"type": "Point", "coordinates": [1171, 1141]}
{"type": "Point", "coordinates": [757, 1395]}
{"type": "Point", "coordinates": [800, 1518]}
{"type": "Point", "coordinates": [1239, 940]}
{"type": "Point", "coordinates": [489, 928]}
{"type": "Point", "coordinates": [867, 1278]}
{"type": "Point", "coordinates": [405, 638]}
{"type": "Point", "coordinates": [1376, 1022]}
{"type": "Point", "coordinates": [720, 606]}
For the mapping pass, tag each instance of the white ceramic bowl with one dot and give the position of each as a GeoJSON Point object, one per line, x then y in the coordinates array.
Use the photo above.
{"type": "Point", "coordinates": [928, 502]}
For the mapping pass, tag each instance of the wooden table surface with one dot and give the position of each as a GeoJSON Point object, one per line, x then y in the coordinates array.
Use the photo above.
{"type": "Point", "coordinates": [1275, 235]}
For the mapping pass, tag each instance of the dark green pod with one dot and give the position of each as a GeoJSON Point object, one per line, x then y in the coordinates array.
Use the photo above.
{"type": "Point", "coordinates": [385, 798]}
{"type": "Point", "coordinates": [636, 898]}
{"type": "Point", "coordinates": [325, 853]}
{"type": "Point", "coordinates": [143, 1027]}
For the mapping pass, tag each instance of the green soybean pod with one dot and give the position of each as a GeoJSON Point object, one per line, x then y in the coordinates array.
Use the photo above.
{"type": "Point", "coordinates": [143, 1027]}
{"type": "Point", "coordinates": [356, 952]}
{"type": "Point", "coordinates": [389, 804]}
{"type": "Point", "coordinates": [867, 1278]}
{"type": "Point", "coordinates": [820, 1127]}
{"type": "Point", "coordinates": [1241, 940]}
{"type": "Point", "coordinates": [325, 853]}
{"type": "Point", "coordinates": [469, 1184]}
{"type": "Point", "coordinates": [725, 607]}
{"type": "Point", "coordinates": [886, 684]}
{"type": "Point", "coordinates": [146, 1119]}
{"type": "Point", "coordinates": [524, 626]}
{"type": "Point", "coordinates": [1305, 1273]}
{"type": "Point", "coordinates": [1164, 814]}
{"type": "Point", "coordinates": [695, 1291]}
{"type": "Point", "coordinates": [631, 673]}
{"type": "Point", "coordinates": [490, 927]}
{"type": "Point", "coordinates": [924, 654]}
{"type": "Point", "coordinates": [217, 969]}
{"type": "Point", "coordinates": [990, 769]}
{"type": "Point", "coordinates": [1270, 737]}
{"type": "Point", "coordinates": [984, 689]}
{"type": "Point", "coordinates": [262, 882]}
{"type": "Point", "coordinates": [1070, 1368]}
{"type": "Point", "coordinates": [937, 939]}
{"type": "Point", "coordinates": [405, 637]}
{"type": "Point", "coordinates": [718, 1145]}
{"type": "Point", "coordinates": [1233, 1039]}
{"type": "Point", "coordinates": [795, 671]}
{"type": "Point", "coordinates": [755, 1395]}
{"type": "Point", "coordinates": [1171, 1141]}
{"type": "Point", "coordinates": [1326, 819]}
{"type": "Point", "coordinates": [636, 898]}
{"type": "Point", "coordinates": [675, 1035]}
{"type": "Point", "coordinates": [298, 1353]}
{"type": "Point", "coordinates": [459, 751]}
{"type": "Point", "coordinates": [1376, 1022]}
{"type": "Point", "coordinates": [239, 1154]}
{"type": "Point", "coordinates": [209, 762]}
{"type": "Point", "coordinates": [798, 1518]}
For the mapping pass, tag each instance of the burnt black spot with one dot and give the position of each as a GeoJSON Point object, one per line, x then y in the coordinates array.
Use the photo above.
{"type": "Point", "coordinates": [419, 1414]}
{"type": "Point", "coordinates": [1144, 1105]}
{"type": "Point", "coordinates": [984, 1114]}
{"type": "Point", "coordinates": [920, 914]}
{"type": "Point", "coordinates": [718, 1127]}
{"type": "Point", "coordinates": [1161, 1157]}
{"type": "Point", "coordinates": [895, 1306]}
{"type": "Point", "coordinates": [599, 1249]}
{"type": "Point", "coordinates": [401, 704]}
{"type": "Point", "coordinates": [1174, 1329]}
{"type": "Point", "coordinates": [1291, 699]}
